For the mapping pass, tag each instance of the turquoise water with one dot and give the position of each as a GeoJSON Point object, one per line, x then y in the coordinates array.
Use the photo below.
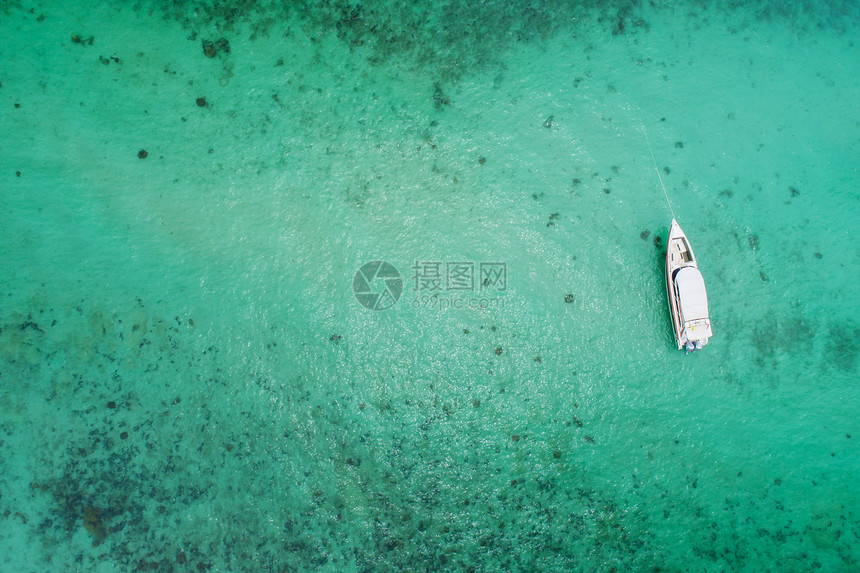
{"type": "Point", "coordinates": [189, 381]}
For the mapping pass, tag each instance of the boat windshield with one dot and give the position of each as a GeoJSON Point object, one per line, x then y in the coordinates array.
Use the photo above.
{"type": "Point", "coordinates": [691, 293]}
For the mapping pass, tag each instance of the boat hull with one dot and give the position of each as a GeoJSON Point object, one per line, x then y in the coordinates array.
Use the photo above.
{"type": "Point", "coordinates": [685, 290]}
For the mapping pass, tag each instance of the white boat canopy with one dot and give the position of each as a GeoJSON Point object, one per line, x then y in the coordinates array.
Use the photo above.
{"type": "Point", "coordinates": [692, 294]}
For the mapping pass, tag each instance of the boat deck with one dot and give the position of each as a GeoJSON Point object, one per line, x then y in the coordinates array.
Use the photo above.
{"type": "Point", "coordinates": [679, 253]}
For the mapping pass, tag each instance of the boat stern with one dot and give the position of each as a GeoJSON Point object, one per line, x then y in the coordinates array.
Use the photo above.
{"type": "Point", "coordinates": [695, 334]}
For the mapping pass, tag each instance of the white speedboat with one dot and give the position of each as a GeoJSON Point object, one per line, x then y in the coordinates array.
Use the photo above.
{"type": "Point", "coordinates": [688, 299]}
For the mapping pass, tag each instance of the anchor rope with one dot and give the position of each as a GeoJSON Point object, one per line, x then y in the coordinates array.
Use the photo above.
{"type": "Point", "coordinates": [657, 169]}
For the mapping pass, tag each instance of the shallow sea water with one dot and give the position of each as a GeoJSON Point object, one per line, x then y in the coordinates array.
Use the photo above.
{"type": "Point", "coordinates": [189, 382]}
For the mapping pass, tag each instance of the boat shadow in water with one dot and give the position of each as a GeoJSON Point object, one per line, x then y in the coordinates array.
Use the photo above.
{"type": "Point", "coordinates": [658, 263]}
